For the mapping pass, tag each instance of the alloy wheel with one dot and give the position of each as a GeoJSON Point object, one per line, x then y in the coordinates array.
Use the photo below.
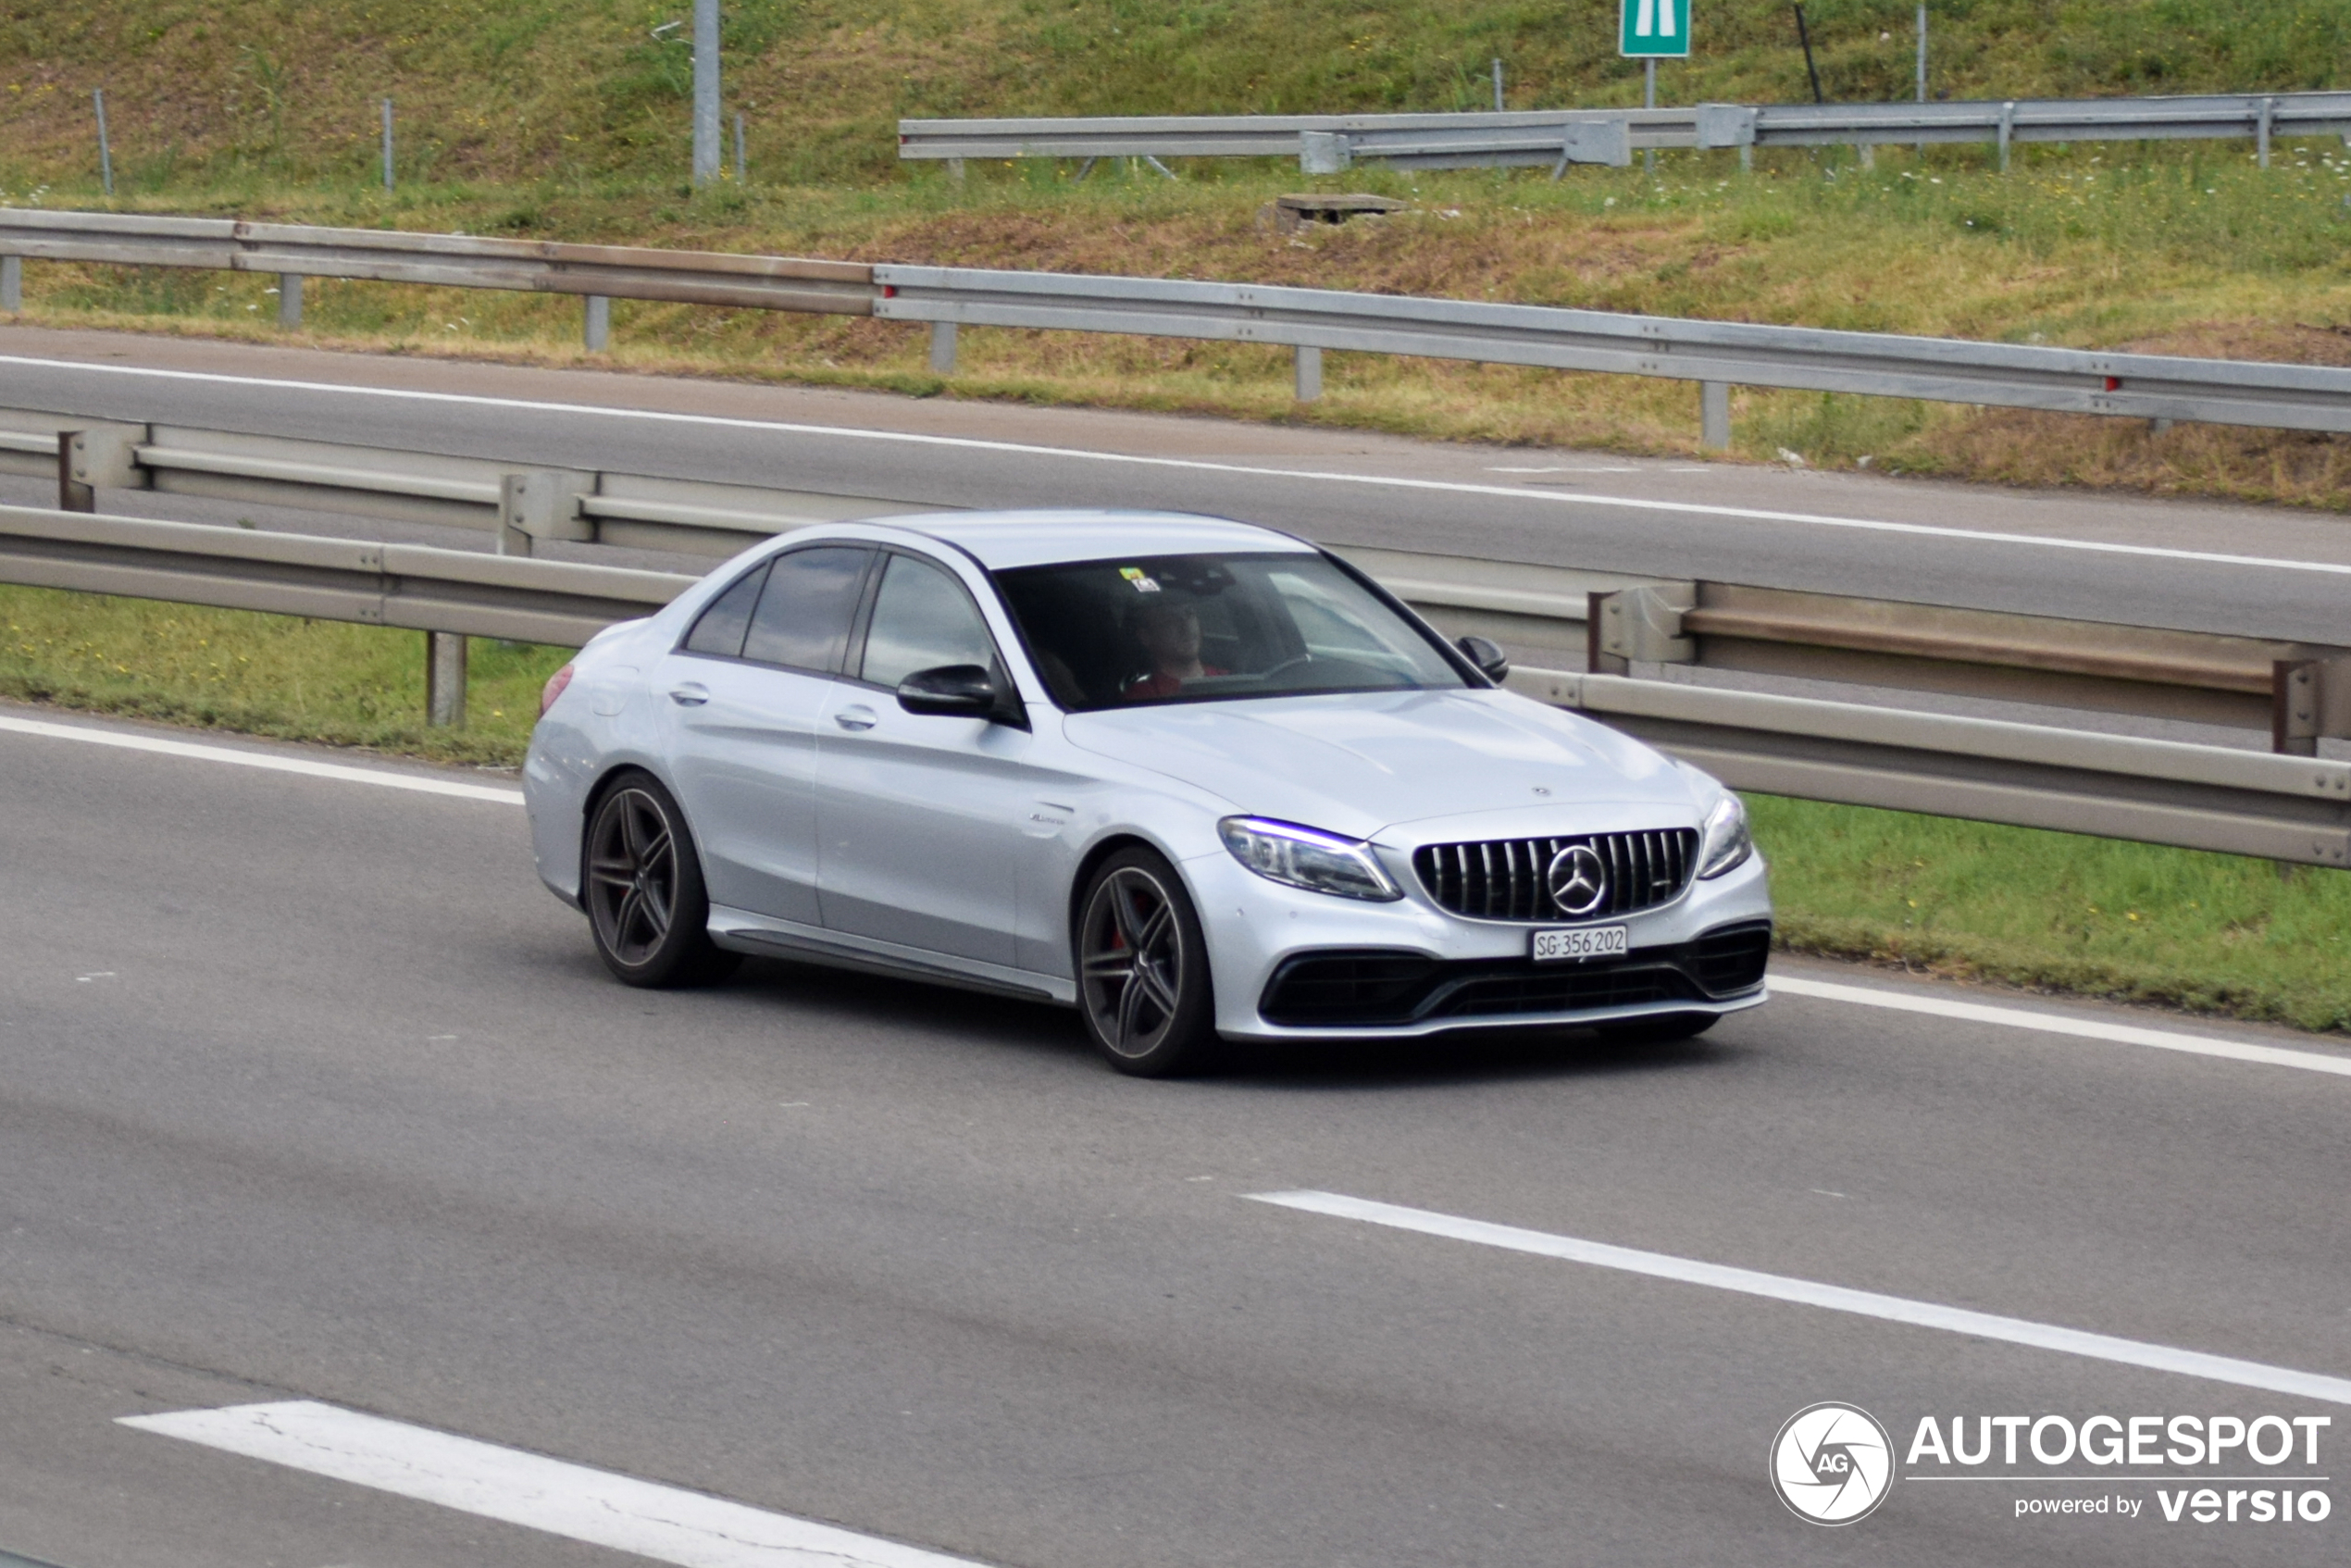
{"type": "Point", "coordinates": [632, 875]}
{"type": "Point", "coordinates": [1131, 962]}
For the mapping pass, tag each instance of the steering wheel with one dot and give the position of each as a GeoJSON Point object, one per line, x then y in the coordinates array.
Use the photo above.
{"type": "Point", "coordinates": [1286, 665]}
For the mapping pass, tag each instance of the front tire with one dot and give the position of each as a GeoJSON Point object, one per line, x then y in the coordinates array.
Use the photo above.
{"type": "Point", "coordinates": [643, 884]}
{"type": "Point", "coordinates": [1143, 985]}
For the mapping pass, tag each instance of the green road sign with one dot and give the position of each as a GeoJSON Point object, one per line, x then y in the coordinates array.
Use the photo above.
{"type": "Point", "coordinates": [1655, 28]}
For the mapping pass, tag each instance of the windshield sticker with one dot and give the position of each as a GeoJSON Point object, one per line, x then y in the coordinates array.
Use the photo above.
{"type": "Point", "coordinates": [1135, 574]}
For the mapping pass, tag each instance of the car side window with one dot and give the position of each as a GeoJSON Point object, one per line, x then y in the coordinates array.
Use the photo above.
{"type": "Point", "coordinates": [922, 619]}
{"type": "Point", "coordinates": [721, 627]}
{"type": "Point", "coordinates": [803, 613]}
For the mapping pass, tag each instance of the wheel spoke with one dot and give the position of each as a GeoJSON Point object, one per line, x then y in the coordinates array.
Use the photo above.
{"type": "Point", "coordinates": [655, 908]}
{"type": "Point", "coordinates": [625, 918]}
{"type": "Point", "coordinates": [656, 851]}
{"type": "Point", "coordinates": [1130, 1002]}
{"type": "Point", "coordinates": [632, 827]}
{"type": "Point", "coordinates": [612, 873]}
{"type": "Point", "coordinates": [1122, 907]}
{"type": "Point", "coordinates": [1154, 986]}
{"type": "Point", "coordinates": [1155, 930]}
{"type": "Point", "coordinates": [1109, 965]}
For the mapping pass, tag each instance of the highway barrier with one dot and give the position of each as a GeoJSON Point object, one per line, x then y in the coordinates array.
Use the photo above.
{"type": "Point", "coordinates": [1327, 143]}
{"type": "Point", "coordinates": [2301, 693]}
{"type": "Point", "coordinates": [1717, 355]}
{"type": "Point", "coordinates": [2288, 808]}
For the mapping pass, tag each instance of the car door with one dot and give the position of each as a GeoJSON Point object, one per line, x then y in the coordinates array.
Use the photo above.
{"type": "Point", "coordinates": [919, 815]}
{"type": "Point", "coordinates": [744, 693]}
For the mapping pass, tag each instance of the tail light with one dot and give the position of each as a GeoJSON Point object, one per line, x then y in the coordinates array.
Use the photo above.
{"type": "Point", "coordinates": [555, 688]}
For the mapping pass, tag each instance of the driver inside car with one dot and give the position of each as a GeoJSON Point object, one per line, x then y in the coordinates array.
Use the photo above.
{"type": "Point", "coordinates": [1170, 635]}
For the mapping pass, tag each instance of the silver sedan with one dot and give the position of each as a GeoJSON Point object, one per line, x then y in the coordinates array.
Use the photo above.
{"type": "Point", "coordinates": [1202, 780]}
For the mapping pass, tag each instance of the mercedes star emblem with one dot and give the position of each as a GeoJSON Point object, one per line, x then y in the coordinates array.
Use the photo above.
{"type": "Point", "coordinates": [1578, 879]}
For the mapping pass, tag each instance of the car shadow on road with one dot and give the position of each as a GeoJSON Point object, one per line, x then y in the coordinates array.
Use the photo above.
{"type": "Point", "coordinates": [1044, 1032]}
{"type": "Point", "coordinates": [1472, 1057]}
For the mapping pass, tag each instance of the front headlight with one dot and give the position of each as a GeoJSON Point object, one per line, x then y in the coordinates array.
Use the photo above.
{"type": "Point", "coordinates": [1727, 844]}
{"type": "Point", "coordinates": [1303, 858]}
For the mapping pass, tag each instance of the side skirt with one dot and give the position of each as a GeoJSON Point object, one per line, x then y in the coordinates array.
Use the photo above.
{"type": "Point", "coordinates": [743, 931]}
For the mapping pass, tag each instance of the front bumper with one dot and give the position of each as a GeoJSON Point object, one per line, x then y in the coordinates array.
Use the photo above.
{"type": "Point", "coordinates": [1292, 964]}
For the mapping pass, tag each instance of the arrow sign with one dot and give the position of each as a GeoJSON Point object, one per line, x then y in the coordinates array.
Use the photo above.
{"type": "Point", "coordinates": [1654, 28]}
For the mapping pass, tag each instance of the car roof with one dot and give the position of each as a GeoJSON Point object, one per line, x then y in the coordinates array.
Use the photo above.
{"type": "Point", "coordinates": [1043, 537]}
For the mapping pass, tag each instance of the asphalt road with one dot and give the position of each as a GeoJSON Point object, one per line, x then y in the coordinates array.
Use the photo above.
{"type": "Point", "coordinates": [307, 1090]}
{"type": "Point", "coordinates": [1730, 522]}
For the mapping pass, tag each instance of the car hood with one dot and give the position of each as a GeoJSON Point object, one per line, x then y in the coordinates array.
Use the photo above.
{"type": "Point", "coordinates": [1357, 763]}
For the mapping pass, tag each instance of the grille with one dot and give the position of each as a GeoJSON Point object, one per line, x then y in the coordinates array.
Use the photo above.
{"type": "Point", "coordinates": [1505, 878]}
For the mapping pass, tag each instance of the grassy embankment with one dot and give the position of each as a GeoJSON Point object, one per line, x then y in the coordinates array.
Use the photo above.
{"type": "Point", "coordinates": [566, 122]}
{"type": "Point", "coordinates": [2206, 933]}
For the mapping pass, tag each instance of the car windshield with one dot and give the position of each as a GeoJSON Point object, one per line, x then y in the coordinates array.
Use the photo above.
{"type": "Point", "coordinates": [1170, 628]}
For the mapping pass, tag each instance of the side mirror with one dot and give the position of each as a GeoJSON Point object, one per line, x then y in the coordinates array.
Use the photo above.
{"type": "Point", "coordinates": [1487, 656]}
{"type": "Point", "coordinates": [958, 690]}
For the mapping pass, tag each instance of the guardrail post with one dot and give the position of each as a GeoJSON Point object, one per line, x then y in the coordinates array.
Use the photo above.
{"type": "Point", "coordinates": [290, 300]}
{"type": "Point", "coordinates": [1640, 624]}
{"type": "Point", "coordinates": [543, 504]}
{"type": "Point", "coordinates": [1714, 414]}
{"type": "Point", "coordinates": [942, 347]}
{"type": "Point", "coordinates": [2007, 129]}
{"type": "Point", "coordinates": [955, 171]}
{"type": "Point", "coordinates": [106, 456]}
{"type": "Point", "coordinates": [2294, 725]}
{"type": "Point", "coordinates": [1308, 373]}
{"type": "Point", "coordinates": [595, 330]}
{"type": "Point", "coordinates": [2261, 130]}
{"type": "Point", "coordinates": [11, 283]}
{"type": "Point", "coordinates": [445, 680]}
{"type": "Point", "coordinates": [1324, 151]}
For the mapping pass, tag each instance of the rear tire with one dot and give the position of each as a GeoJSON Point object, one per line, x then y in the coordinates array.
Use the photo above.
{"type": "Point", "coordinates": [1658, 1031]}
{"type": "Point", "coordinates": [1143, 985]}
{"type": "Point", "coordinates": [641, 881]}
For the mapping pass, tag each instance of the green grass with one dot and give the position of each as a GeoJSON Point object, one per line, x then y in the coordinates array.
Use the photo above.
{"type": "Point", "coordinates": [2206, 932]}
{"type": "Point", "coordinates": [278, 676]}
{"type": "Point", "coordinates": [570, 90]}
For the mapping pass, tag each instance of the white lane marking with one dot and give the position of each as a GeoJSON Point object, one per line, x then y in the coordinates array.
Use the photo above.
{"type": "Point", "coordinates": [260, 759]}
{"type": "Point", "coordinates": [667, 1523]}
{"type": "Point", "coordinates": [1836, 1298]}
{"type": "Point", "coordinates": [2056, 1024]}
{"type": "Point", "coordinates": [1514, 492]}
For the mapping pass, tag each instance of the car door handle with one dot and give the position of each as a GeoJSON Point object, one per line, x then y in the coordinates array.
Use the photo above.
{"type": "Point", "coordinates": [856, 718]}
{"type": "Point", "coordinates": [690, 696]}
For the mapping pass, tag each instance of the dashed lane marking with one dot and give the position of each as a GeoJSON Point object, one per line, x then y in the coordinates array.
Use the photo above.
{"type": "Point", "coordinates": [1835, 1298]}
{"type": "Point", "coordinates": [667, 1523]}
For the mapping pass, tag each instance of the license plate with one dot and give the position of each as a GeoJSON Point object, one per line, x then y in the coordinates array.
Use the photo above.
{"type": "Point", "coordinates": [1580, 941]}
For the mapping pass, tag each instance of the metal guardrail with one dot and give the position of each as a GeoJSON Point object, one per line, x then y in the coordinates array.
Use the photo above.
{"type": "Point", "coordinates": [1720, 353]}
{"type": "Point", "coordinates": [521, 503]}
{"type": "Point", "coordinates": [462, 591]}
{"type": "Point", "coordinates": [1717, 355]}
{"type": "Point", "coordinates": [2300, 692]}
{"type": "Point", "coordinates": [1326, 143]}
{"type": "Point", "coordinates": [2108, 785]}
{"type": "Point", "coordinates": [460, 260]}
{"type": "Point", "coordinates": [2197, 797]}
